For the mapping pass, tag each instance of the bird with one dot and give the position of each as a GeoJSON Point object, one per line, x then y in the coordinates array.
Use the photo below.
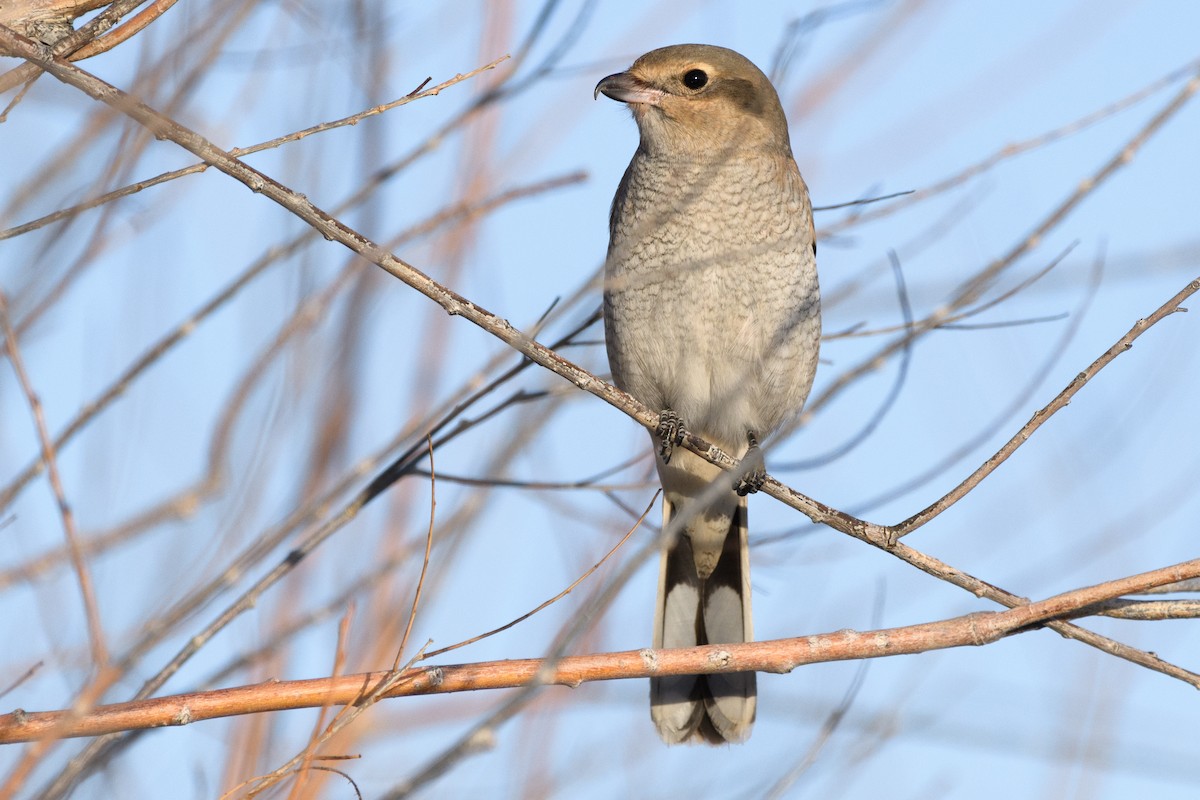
{"type": "Point", "coordinates": [712, 317]}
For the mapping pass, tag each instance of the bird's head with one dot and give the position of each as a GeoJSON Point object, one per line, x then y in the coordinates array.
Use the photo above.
{"type": "Point", "coordinates": [697, 101]}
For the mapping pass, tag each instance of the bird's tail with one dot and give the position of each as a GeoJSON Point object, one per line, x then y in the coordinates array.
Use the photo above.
{"type": "Point", "coordinates": [693, 611]}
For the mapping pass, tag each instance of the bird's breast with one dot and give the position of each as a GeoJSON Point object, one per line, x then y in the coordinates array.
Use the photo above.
{"type": "Point", "coordinates": [707, 266]}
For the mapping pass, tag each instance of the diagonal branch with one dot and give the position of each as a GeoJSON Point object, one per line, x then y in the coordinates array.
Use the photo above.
{"type": "Point", "coordinates": [420, 93]}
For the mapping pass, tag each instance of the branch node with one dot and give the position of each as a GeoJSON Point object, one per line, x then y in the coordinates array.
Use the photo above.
{"type": "Point", "coordinates": [720, 658]}
{"type": "Point", "coordinates": [878, 535]}
{"type": "Point", "coordinates": [977, 638]}
{"type": "Point", "coordinates": [482, 739]}
{"type": "Point", "coordinates": [182, 717]}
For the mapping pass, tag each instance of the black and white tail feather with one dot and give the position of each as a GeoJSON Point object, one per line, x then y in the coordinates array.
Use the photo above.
{"type": "Point", "coordinates": [692, 611]}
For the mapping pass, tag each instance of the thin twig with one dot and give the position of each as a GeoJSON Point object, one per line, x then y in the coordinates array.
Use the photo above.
{"type": "Point", "coordinates": [1060, 402]}
{"type": "Point", "coordinates": [339, 663]}
{"type": "Point", "coordinates": [416, 602]}
{"type": "Point", "coordinates": [556, 597]}
{"type": "Point", "coordinates": [1018, 148]}
{"type": "Point", "coordinates": [295, 136]}
{"type": "Point", "coordinates": [970, 290]}
{"type": "Point", "coordinates": [82, 574]}
{"type": "Point", "coordinates": [187, 501]}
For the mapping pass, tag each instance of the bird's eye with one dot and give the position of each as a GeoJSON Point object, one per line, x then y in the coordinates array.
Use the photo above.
{"type": "Point", "coordinates": [695, 79]}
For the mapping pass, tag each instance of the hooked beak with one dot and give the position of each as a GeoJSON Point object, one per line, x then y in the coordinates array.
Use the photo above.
{"type": "Point", "coordinates": [625, 88]}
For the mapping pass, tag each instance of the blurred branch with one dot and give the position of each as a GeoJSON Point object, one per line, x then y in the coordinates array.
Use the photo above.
{"type": "Point", "coordinates": [537, 486]}
{"type": "Point", "coordinates": [777, 656]}
{"type": "Point", "coordinates": [952, 322]}
{"type": "Point", "coordinates": [556, 597]}
{"type": "Point", "coordinates": [1146, 610]}
{"type": "Point", "coordinates": [83, 574]}
{"type": "Point", "coordinates": [1011, 151]}
{"type": "Point", "coordinates": [126, 31]}
{"type": "Point", "coordinates": [1002, 419]}
{"type": "Point", "coordinates": [416, 94]}
{"type": "Point", "coordinates": [832, 722]}
{"type": "Point", "coordinates": [186, 502]}
{"type": "Point", "coordinates": [889, 399]}
{"type": "Point", "coordinates": [799, 35]}
{"type": "Point", "coordinates": [32, 14]}
{"type": "Point", "coordinates": [843, 72]}
{"type": "Point", "coordinates": [348, 714]}
{"type": "Point", "coordinates": [1182, 586]}
{"type": "Point", "coordinates": [970, 291]}
{"type": "Point", "coordinates": [339, 665]}
{"type": "Point", "coordinates": [76, 45]}
{"type": "Point", "coordinates": [1060, 402]}
{"type": "Point", "coordinates": [265, 543]}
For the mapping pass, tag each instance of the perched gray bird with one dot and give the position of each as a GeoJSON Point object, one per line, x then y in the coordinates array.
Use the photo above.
{"type": "Point", "coordinates": [712, 314]}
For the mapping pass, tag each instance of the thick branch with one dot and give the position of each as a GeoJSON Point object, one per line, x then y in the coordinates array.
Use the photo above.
{"type": "Point", "coordinates": [779, 656]}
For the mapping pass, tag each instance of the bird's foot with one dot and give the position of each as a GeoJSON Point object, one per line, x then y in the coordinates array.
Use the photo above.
{"type": "Point", "coordinates": [669, 432]}
{"type": "Point", "coordinates": [753, 470]}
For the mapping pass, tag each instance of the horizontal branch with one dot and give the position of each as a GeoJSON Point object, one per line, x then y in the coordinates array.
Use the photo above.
{"type": "Point", "coordinates": [778, 656]}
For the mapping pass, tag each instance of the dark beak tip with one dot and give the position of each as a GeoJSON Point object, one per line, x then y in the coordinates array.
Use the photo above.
{"type": "Point", "coordinates": [602, 85]}
{"type": "Point", "coordinates": [626, 88]}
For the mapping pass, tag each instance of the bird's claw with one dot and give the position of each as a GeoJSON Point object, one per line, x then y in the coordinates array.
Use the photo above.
{"type": "Point", "coordinates": [753, 470]}
{"type": "Point", "coordinates": [669, 432]}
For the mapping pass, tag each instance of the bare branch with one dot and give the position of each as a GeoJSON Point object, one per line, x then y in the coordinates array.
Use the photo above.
{"type": "Point", "coordinates": [778, 656]}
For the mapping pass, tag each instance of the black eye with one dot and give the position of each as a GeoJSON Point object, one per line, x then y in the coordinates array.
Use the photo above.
{"type": "Point", "coordinates": [695, 79]}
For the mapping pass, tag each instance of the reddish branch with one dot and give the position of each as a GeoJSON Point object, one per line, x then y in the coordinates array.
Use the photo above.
{"type": "Point", "coordinates": [780, 656]}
